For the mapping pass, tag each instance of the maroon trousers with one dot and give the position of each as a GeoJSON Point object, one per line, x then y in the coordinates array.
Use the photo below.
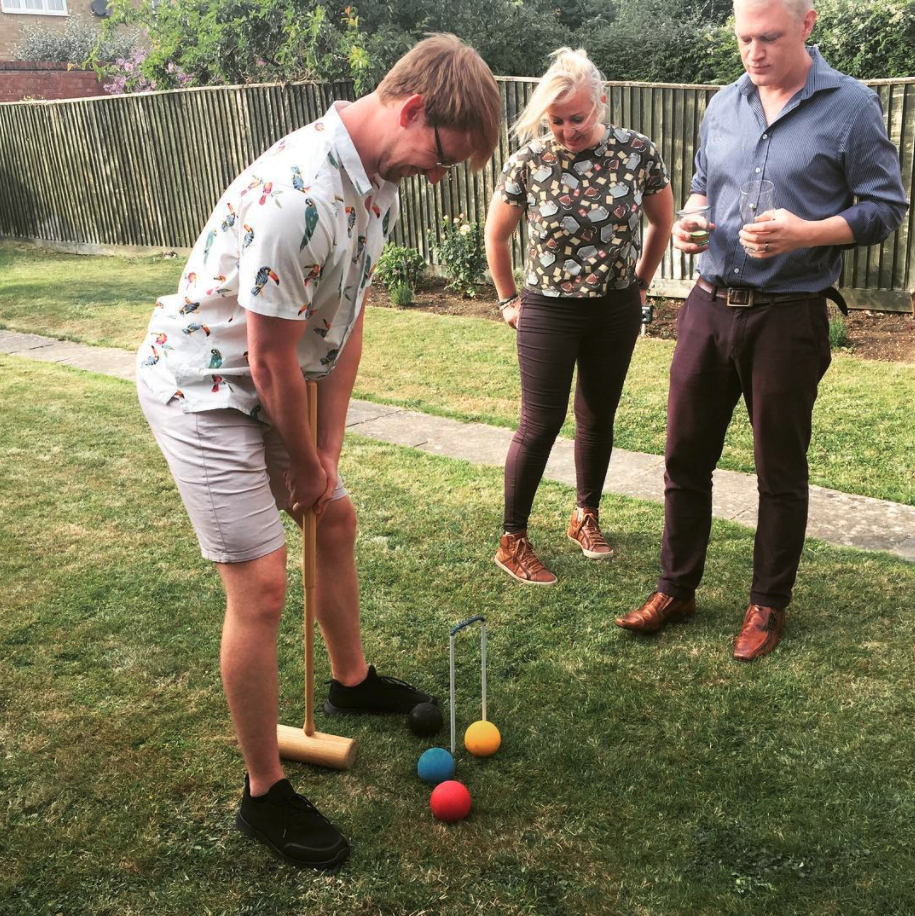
{"type": "Point", "coordinates": [554, 336]}
{"type": "Point", "coordinates": [774, 355]}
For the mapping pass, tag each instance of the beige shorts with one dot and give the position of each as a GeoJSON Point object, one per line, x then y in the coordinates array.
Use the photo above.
{"type": "Point", "coordinates": [230, 471]}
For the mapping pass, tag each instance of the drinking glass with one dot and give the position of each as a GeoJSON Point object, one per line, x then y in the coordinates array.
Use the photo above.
{"type": "Point", "coordinates": [756, 197]}
{"type": "Point", "coordinates": [696, 221]}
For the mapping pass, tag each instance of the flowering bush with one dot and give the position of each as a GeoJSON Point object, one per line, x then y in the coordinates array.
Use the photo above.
{"type": "Point", "coordinates": [128, 74]}
{"type": "Point", "coordinates": [399, 266]}
{"type": "Point", "coordinates": [460, 252]}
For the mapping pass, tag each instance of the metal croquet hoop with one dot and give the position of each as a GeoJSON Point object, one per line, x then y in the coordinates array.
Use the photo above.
{"type": "Point", "coordinates": [454, 631]}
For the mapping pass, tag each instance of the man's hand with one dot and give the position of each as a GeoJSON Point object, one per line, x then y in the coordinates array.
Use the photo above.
{"type": "Point", "coordinates": [307, 488]}
{"type": "Point", "coordinates": [775, 232]}
{"type": "Point", "coordinates": [329, 463]}
{"type": "Point", "coordinates": [682, 237]}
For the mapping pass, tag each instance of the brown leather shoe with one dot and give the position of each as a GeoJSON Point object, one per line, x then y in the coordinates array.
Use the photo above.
{"type": "Point", "coordinates": [584, 529]}
{"type": "Point", "coordinates": [516, 556]}
{"type": "Point", "coordinates": [759, 635]}
{"type": "Point", "coordinates": [658, 611]}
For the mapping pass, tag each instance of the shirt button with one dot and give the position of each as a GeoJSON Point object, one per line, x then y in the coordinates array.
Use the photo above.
{"type": "Point", "coordinates": [757, 170]}
{"type": "Point", "coordinates": [765, 136]}
{"type": "Point", "coordinates": [736, 270]}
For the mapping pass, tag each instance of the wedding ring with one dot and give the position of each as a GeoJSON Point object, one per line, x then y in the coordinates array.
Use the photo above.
{"type": "Point", "coordinates": [766, 248]}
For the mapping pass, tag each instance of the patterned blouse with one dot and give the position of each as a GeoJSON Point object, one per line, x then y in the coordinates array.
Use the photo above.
{"type": "Point", "coordinates": [295, 236]}
{"type": "Point", "coordinates": [583, 210]}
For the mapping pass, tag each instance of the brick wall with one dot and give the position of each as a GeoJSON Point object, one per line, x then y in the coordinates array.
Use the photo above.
{"type": "Point", "coordinates": [21, 79]}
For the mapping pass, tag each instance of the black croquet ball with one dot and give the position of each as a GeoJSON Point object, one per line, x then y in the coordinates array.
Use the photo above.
{"type": "Point", "coordinates": [425, 720]}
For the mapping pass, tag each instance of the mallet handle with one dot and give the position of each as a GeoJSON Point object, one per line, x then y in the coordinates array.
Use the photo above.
{"type": "Point", "coordinates": [305, 744]}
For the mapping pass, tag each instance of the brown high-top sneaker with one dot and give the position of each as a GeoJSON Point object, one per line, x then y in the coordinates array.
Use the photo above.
{"type": "Point", "coordinates": [658, 611]}
{"type": "Point", "coordinates": [516, 556]}
{"type": "Point", "coordinates": [584, 529]}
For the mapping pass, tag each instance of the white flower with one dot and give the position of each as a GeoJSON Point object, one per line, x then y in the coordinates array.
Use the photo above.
{"type": "Point", "coordinates": [464, 229]}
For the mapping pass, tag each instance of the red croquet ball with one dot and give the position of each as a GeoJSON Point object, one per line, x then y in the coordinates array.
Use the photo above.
{"type": "Point", "coordinates": [450, 801]}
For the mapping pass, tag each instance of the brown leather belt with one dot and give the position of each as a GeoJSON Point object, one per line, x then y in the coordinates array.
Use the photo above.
{"type": "Point", "coordinates": [745, 297]}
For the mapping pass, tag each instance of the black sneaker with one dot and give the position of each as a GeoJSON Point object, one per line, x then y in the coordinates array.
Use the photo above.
{"type": "Point", "coordinates": [374, 695]}
{"type": "Point", "coordinates": [290, 825]}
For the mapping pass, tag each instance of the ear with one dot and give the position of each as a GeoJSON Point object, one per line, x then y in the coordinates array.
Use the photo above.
{"type": "Point", "coordinates": [410, 109]}
{"type": "Point", "coordinates": [603, 99]}
{"type": "Point", "coordinates": [810, 18]}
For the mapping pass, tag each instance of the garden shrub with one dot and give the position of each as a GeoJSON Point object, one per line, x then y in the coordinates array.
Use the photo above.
{"type": "Point", "coordinates": [401, 294]}
{"type": "Point", "coordinates": [399, 266]}
{"type": "Point", "coordinates": [461, 254]}
{"type": "Point", "coordinates": [74, 44]}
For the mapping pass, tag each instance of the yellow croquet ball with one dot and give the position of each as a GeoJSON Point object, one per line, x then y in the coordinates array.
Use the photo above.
{"type": "Point", "coordinates": [482, 739]}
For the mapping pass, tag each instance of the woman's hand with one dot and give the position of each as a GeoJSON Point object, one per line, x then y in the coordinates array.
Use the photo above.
{"type": "Point", "coordinates": [511, 314]}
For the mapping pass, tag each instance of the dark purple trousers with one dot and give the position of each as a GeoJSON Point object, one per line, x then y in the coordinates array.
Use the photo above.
{"type": "Point", "coordinates": [774, 355]}
{"type": "Point", "coordinates": [554, 336]}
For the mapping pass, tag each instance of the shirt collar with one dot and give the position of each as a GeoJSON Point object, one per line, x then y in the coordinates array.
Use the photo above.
{"type": "Point", "coordinates": [345, 151]}
{"type": "Point", "coordinates": [350, 161]}
{"type": "Point", "coordinates": [819, 76]}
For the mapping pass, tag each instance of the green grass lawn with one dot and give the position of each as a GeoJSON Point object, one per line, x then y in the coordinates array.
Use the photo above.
{"type": "Point", "coordinates": [103, 301]}
{"type": "Point", "coordinates": [637, 777]}
{"type": "Point", "coordinates": [863, 441]}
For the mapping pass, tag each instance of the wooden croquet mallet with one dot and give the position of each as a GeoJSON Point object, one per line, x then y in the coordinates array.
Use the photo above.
{"type": "Point", "coordinates": [305, 744]}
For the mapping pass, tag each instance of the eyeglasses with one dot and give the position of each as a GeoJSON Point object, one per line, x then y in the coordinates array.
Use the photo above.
{"type": "Point", "coordinates": [441, 164]}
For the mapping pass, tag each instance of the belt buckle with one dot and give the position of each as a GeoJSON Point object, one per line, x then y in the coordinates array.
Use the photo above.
{"type": "Point", "coordinates": [741, 298]}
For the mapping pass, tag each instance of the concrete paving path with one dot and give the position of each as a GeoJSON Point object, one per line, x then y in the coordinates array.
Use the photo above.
{"type": "Point", "coordinates": [837, 518]}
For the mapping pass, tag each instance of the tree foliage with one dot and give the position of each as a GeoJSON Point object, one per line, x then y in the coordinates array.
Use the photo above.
{"type": "Point", "coordinates": [216, 42]}
{"type": "Point", "coordinates": [658, 40]}
{"type": "Point", "coordinates": [683, 41]}
{"type": "Point", "coordinates": [869, 39]}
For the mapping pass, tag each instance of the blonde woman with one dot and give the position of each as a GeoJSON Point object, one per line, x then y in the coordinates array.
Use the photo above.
{"type": "Point", "coordinates": [583, 185]}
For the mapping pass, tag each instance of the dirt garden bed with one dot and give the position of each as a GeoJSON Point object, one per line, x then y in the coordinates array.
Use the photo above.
{"type": "Point", "coordinates": [885, 336]}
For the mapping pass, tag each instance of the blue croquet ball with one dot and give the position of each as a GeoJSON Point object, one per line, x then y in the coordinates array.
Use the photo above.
{"type": "Point", "coordinates": [425, 720]}
{"type": "Point", "coordinates": [435, 765]}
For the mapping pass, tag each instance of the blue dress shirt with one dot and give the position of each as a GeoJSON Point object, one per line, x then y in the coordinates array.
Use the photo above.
{"type": "Point", "coordinates": [827, 153]}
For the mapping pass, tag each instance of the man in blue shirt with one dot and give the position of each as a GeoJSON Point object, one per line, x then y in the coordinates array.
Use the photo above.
{"type": "Point", "coordinates": [756, 324]}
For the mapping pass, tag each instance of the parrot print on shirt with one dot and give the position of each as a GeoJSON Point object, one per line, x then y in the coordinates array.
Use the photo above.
{"type": "Point", "coordinates": [311, 222]}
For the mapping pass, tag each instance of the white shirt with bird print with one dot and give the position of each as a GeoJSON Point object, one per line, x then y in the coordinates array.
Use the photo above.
{"type": "Point", "coordinates": [295, 236]}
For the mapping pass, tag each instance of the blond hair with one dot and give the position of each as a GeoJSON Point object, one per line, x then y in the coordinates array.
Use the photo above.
{"type": "Point", "coordinates": [797, 8]}
{"type": "Point", "coordinates": [569, 72]}
{"type": "Point", "coordinates": [457, 88]}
